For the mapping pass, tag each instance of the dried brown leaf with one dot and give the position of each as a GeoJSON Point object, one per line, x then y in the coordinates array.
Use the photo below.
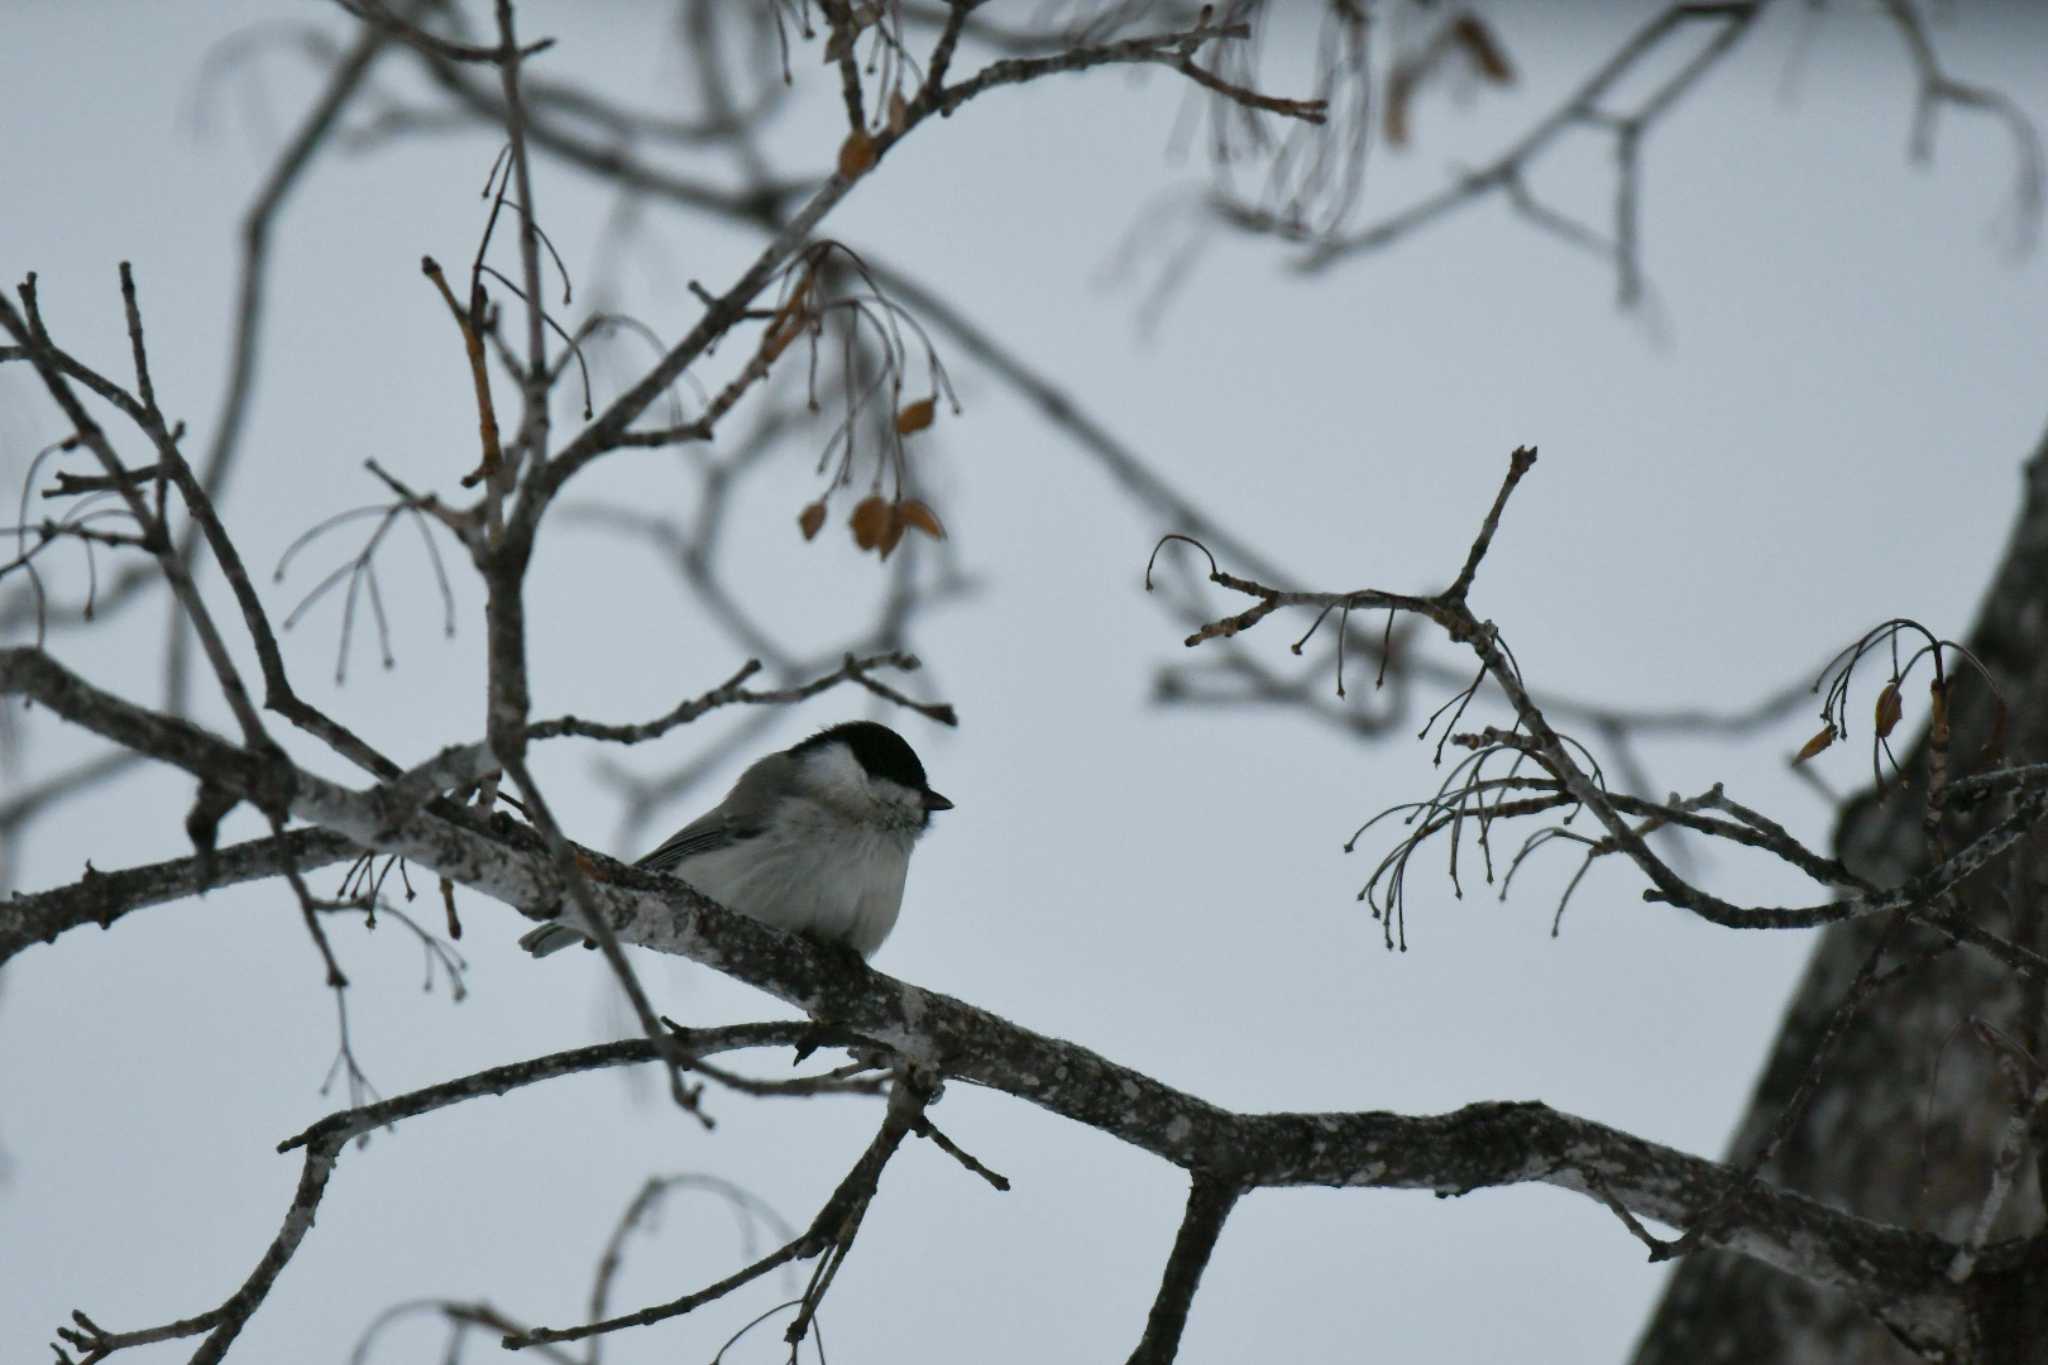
{"type": "Point", "coordinates": [893, 536]}
{"type": "Point", "coordinates": [1889, 709]}
{"type": "Point", "coordinates": [899, 112]}
{"type": "Point", "coordinates": [920, 515]}
{"type": "Point", "coordinates": [811, 519]}
{"type": "Point", "coordinates": [1817, 743]}
{"type": "Point", "coordinates": [856, 154]}
{"type": "Point", "coordinates": [916, 416]}
{"type": "Point", "coordinates": [870, 521]}
{"type": "Point", "coordinates": [448, 900]}
{"type": "Point", "coordinates": [1470, 32]}
{"type": "Point", "coordinates": [1400, 87]}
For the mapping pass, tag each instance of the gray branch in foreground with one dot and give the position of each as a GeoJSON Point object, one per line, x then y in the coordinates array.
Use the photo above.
{"type": "Point", "coordinates": [323, 1144]}
{"type": "Point", "coordinates": [103, 897]}
{"type": "Point", "coordinates": [1899, 1275]}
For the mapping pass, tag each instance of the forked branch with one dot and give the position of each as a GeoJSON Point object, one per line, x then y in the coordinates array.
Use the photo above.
{"type": "Point", "coordinates": [1568, 777]}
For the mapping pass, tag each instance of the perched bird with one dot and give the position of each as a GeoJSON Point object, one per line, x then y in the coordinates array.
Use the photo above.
{"type": "Point", "coordinates": [815, 839]}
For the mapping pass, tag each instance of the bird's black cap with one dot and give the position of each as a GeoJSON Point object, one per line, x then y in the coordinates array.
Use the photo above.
{"type": "Point", "coordinates": [882, 753]}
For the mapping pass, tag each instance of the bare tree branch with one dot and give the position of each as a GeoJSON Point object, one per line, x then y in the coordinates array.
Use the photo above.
{"type": "Point", "coordinates": [101, 898]}
{"type": "Point", "coordinates": [1209, 1203]}
{"type": "Point", "coordinates": [1479, 1146]}
{"type": "Point", "coordinates": [1927, 1291]}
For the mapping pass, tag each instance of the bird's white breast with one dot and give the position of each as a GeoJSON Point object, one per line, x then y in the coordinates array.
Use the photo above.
{"type": "Point", "coordinates": [814, 870]}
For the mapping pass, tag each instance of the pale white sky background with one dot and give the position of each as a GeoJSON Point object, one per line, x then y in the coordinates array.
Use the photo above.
{"type": "Point", "coordinates": [1827, 434]}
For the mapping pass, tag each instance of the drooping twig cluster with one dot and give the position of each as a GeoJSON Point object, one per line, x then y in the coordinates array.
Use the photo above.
{"type": "Point", "coordinates": [1551, 771]}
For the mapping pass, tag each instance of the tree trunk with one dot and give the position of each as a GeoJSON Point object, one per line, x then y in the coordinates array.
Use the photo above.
{"type": "Point", "coordinates": [1904, 1122]}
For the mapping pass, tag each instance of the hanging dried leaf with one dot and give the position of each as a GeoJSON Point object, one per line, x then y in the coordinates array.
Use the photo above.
{"type": "Point", "coordinates": [893, 536]}
{"type": "Point", "coordinates": [856, 154]}
{"type": "Point", "coordinates": [1471, 33]}
{"type": "Point", "coordinates": [918, 514]}
{"type": "Point", "coordinates": [1889, 709]}
{"type": "Point", "coordinates": [870, 522]}
{"type": "Point", "coordinates": [1816, 744]}
{"type": "Point", "coordinates": [1400, 86]}
{"type": "Point", "coordinates": [916, 416]}
{"type": "Point", "coordinates": [811, 519]}
{"type": "Point", "coordinates": [454, 921]}
{"type": "Point", "coordinates": [899, 112]}
{"type": "Point", "coordinates": [1466, 35]}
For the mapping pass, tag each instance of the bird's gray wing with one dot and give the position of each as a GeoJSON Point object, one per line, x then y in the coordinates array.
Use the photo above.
{"type": "Point", "coordinates": [741, 816]}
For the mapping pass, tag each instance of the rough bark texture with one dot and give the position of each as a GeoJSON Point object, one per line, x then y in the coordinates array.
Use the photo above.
{"type": "Point", "coordinates": [1903, 1127]}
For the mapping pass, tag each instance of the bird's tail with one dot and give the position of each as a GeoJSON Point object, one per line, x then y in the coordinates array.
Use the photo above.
{"type": "Point", "coordinates": [550, 938]}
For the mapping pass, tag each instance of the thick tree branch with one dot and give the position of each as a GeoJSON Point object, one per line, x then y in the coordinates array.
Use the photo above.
{"type": "Point", "coordinates": [104, 897]}
{"type": "Point", "coordinates": [1897, 1274]}
{"type": "Point", "coordinates": [1477, 1147]}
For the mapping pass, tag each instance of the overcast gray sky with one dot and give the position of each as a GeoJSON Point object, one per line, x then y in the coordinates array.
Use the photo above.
{"type": "Point", "coordinates": [1821, 428]}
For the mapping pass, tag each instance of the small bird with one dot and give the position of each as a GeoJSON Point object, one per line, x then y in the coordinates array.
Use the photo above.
{"type": "Point", "coordinates": [815, 839]}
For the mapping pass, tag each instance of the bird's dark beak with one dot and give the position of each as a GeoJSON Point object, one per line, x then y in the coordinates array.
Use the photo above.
{"type": "Point", "coordinates": [934, 801]}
